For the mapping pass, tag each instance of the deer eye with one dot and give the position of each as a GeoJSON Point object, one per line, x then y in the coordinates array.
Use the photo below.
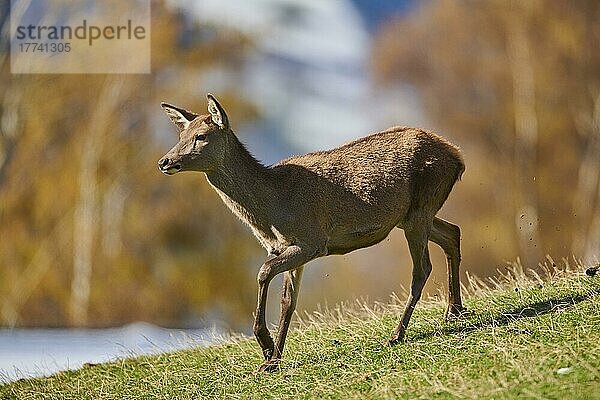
{"type": "Point", "coordinates": [200, 138]}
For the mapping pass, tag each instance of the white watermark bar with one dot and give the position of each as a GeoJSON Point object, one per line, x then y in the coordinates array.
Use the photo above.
{"type": "Point", "coordinates": [80, 36]}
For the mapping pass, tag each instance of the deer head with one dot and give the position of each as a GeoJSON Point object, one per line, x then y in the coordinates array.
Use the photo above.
{"type": "Point", "coordinates": [202, 139]}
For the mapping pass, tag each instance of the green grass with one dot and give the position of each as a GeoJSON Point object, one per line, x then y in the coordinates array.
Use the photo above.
{"type": "Point", "coordinates": [526, 338]}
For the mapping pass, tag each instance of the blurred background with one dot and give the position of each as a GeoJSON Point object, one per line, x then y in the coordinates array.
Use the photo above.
{"type": "Point", "coordinates": [93, 235]}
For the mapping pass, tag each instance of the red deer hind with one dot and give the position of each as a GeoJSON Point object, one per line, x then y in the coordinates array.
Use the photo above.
{"type": "Point", "coordinates": [327, 202]}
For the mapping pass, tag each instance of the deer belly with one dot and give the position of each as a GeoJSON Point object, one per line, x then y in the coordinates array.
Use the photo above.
{"type": "Point", "coordinates": [346, 240]}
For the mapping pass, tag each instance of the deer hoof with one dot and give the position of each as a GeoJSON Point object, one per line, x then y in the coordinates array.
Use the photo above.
{"type": "Point", "coordinates": [396, 340]}
{"type": "Point", "coordinates": [457, 311]}
{"type": "Point", "coordinates": [268, 352]}
{"type": "Point", "coordinates": [269, 366]}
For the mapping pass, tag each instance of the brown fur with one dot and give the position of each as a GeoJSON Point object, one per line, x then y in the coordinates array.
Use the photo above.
{"type": "Point", "coordinates": [328, 202]}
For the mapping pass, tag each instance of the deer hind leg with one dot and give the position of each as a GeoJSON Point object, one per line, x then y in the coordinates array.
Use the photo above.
{"type": "Point", "coordinates": [417, 237]}
{"type": "Point", "coordinates": [447, 236]}
{"type": "Point", "coordinates": [290, 259]}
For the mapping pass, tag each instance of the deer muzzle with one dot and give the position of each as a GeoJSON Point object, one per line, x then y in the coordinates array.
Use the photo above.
{"type": "Point", "coordinates": [168, 167]}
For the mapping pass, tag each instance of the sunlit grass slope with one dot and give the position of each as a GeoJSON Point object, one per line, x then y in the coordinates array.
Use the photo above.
{"type": "Point", "coordinates": [527, 337]}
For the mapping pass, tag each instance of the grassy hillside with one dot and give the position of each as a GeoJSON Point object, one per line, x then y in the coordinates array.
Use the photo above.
{"type": "Point", "coordinates": [526, 338]}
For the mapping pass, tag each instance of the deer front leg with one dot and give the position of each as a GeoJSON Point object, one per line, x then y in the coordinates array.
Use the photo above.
{"type": "Point", "coordinates": [289, 295]}
{"type": "Point", "coordinates": [261, 332]}
{"type": "Point", "coordinates": [292, 258]}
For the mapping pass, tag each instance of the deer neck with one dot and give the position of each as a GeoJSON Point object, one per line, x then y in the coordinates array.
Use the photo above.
{"type": "Point", "coordinates": [244, 184]}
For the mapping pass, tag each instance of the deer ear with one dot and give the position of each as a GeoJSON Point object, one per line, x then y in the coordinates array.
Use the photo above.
{"type": "Point", "coordinates": [217, 113]}
{"type": "Point", "coordinates": [180, 117]}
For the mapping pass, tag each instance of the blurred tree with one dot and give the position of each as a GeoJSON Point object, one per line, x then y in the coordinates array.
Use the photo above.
{"type": "Point", "coordinates": [517, 84]}
{"type": "Point", "coordinates": [92, 233]}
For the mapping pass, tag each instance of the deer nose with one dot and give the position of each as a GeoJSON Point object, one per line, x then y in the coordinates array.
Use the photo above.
{"type": "Point", "coordinates": [163, 162]}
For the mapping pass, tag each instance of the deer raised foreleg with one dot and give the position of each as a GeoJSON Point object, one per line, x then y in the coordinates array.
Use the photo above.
{"type": "Point", "coordinates": [417, 243]}
{"type": "Point", "coordinates": [261, 332]}
{"type": "Point", "coordinates": [289, 260]}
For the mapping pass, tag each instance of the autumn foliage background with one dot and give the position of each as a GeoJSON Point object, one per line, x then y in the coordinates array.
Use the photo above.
{"type": "Point", "coordinates": [93, 235]}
